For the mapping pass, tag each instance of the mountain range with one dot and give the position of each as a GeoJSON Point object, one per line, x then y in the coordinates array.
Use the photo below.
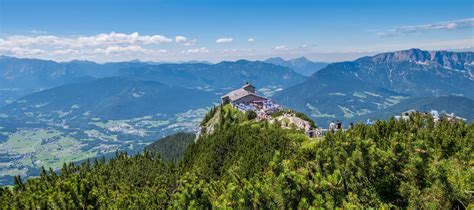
{"type": "Point", "coordinates": [111, 98]}
{"type": "Point", "coordinates": [301, 65]}
{"type": "Point", "coordinates": [345, 90]}
{"type": "Point", "coordinates": [223, 75]}
{"type": "Point", "coordinates": [21, 76]}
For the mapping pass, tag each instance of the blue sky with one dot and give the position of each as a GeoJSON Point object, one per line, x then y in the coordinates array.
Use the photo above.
{"type": "Point", "coordinates": [229, 30]}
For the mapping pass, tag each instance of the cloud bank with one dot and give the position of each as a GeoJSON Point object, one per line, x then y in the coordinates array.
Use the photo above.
{"type": "Point", "coordinates": [224, 40]}
{"type": "Point", "coordinates": [99, 45]}
{"type": "Point", "coordinates": [446, 25]}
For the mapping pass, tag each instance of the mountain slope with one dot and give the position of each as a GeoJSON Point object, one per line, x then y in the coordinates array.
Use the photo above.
{"type": "Point", "coordinates": [112, 98]}
{"type": "Point", "coordinates": [171, 148]}
{"type": "Point", "coordinates": [345, 90]}
{"type": "Point", "coordinates": [461, 106]}
{"type": "Point", "coordinates": [301, 65]}
{"type": "Point", "coordinates": [335, 95]}
{"type": "Point", "coordinates": [218, 76]}
{"type": "Point", "coordinates": [77, 121]}
{"type": "Point", "coordinates": [22, 76]}
{"type": "Point", "coordinates": [420, 73]}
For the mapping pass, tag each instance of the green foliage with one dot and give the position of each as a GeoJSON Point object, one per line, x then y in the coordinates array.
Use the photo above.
{"type": "Point", "coordinates": [138, 181]}
{"type": "Point", "coordinates": [242, 148]}
{"type": "Point", "coordinates": [209, 115]}
{"type": "Point", "coordinates": [247, 164]}
{"type": "Point", "coordinates": [171, 148]}
{"type": "Point", "coordinates": [250, 114]}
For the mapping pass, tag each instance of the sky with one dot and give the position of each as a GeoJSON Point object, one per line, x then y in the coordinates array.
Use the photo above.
{"type": "Point", "coordinates": [216, 30]}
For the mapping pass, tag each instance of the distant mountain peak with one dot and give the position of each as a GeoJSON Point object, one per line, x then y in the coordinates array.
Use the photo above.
{"type": "Point", "coordinates": [445, 59]}
{"type": "Point", "coordinates": [275, 59]}
{"type": "Point", "coordinates": [136, 60]}
{"type": "Point", "coordinates": [301, 64]}
{"type": "Point", "coordinates": [302, 58]}
{"type": "Point", "coordinates": [80, 62]}
{"type": "Point", "coordinates": [402, 56]}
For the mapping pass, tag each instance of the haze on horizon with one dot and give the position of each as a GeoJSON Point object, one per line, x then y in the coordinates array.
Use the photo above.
{"type": "Point", "coordinates": [212, 30]}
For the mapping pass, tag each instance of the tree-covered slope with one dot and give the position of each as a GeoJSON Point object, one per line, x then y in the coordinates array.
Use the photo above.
{"type": "Point", "coordinates": [171, 148]}
{"type": "Point", "coordinates": [250, 164]}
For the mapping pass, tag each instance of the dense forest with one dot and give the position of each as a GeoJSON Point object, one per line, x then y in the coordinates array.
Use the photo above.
{"type": "Point", "coordinates": [171, 148]}
{"type": "Point", "coordinates": [413, 163]}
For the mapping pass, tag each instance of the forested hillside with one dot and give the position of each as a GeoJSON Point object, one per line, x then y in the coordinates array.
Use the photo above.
{"type": "Point", "coordinates": [245, 163]}
{"type": "Point", "coordinates": [171, 148]}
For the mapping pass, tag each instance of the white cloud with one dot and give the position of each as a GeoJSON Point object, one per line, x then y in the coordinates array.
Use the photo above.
{"type": "Point", "coordinates": [238, 52]}
{"type": "Point", "coordinates": [446, 25]}
{"type": "Point", "coordinates": [65, 52]}
{"type": "Point", "coordinates": [280, 47]}
{"type": "Point", "coordinates": [305, 47]}
{"type": "Point", "coordinates": [224, 40]}
{"type": "Point", "coordinates": [120, 49]}
{"type": "Point", "coordinates": [180, 39]}
{"type": "Point", "coordinates": [185, 41]}
{"type": "Point", "coordinates": [99, 45]}
{"type": "Point", "coordinates": [119, 38]}
{"type": "Point", "coordinates": [450, 26]}
{"type": "Point", "coordinates": [251, 40]}
{"type": "Point", "coordinates": [84, 41]}
{"type": "Point", "coordinates": [229, 50]}
{"type": "Point", "coordinates": [35, 31]}
{"type": "Point", "coordinates": [298, 50]}
{"type": "Point", "coordinates": [190, 43]}
{"type": "Point", "coordinates": [197, 50]}
{"type": "Point", "coordinates": [19, 51]}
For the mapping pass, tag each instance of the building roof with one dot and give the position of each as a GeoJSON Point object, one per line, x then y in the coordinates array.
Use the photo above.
{"type": "Point", "coordinates": [239, 93]}
{"type": "Point", "coordinates": [247, 85]}
{"type": "Point", "coordinates": [236, 94]}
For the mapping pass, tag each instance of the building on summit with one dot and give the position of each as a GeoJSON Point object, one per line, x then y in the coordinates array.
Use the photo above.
{"type": "Point", "coordinates": [246, 98]}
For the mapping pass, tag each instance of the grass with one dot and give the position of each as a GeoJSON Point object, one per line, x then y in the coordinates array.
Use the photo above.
{"type": "Point", "coordinates": [349, 113]}
{"type": "Point", "coordinates": [41, 147]}
{"type": "Point", "coordinates": [336, 94]}
{"type": "Point", "coordinates": [372, 94]}
{"type": "Point", "coordinates": [359, 95]}
{"type": "Point", "coordinates": [157, 123]}
{"type": "Point", "coordinates": [311, 143]}
{"type": "Point", "coordinates": [316, 113]}
{"type": "Point", "coordinates": [98, 135]}
{"type": "Point", "coordinates": [109, 123]}
{"type": "Point", "coordinates": [13, 172]}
